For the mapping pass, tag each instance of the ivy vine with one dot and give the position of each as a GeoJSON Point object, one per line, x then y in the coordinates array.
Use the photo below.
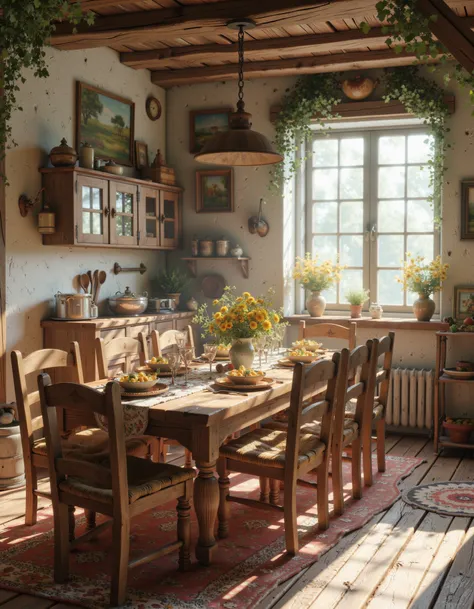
{"type": "Point", "coordinates": [25, 28]}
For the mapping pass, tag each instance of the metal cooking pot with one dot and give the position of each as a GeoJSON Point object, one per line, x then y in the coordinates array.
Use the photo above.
{"type": "Point", "coordinates": [73, 306]}
{"type": "Point", "coordinates": [128, 303]}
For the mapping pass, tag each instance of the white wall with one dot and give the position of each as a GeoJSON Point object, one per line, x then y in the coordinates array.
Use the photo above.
{"type": "Point", "coordinates": [36, 272]}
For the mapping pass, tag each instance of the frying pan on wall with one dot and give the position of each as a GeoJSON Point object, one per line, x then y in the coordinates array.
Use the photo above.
{"type": "Point", "coordinates": [212, 286]}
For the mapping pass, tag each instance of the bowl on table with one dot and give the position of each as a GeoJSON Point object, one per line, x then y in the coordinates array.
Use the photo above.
{"type": "Point", "coordinates": [160, 364]}
{"type": "Point", "coordinates": [245, 376]}
{"type": "Point", "coordinates": [309, 345]}
{"type": "Point", "coordinates": [135, 382]}
{"type": "Point", "coordinates": [303, 356]}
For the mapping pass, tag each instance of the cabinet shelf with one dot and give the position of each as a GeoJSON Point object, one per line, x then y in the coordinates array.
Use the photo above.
{"type": "Point", "coordinates": [445, 441]}
{"type": "Point", "coordinates": [243, 262]}
{"type": "Point", "coordinates": [444, 378]}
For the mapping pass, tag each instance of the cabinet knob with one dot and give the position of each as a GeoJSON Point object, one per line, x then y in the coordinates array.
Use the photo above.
{"type": "Point", "coordinates": [162, 218]}
{"type": "Point", "coordinates": [106, 211]}
{"type": "Point", "coordinates": [113, 213]}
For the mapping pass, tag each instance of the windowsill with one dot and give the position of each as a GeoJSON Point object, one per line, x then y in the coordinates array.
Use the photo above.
{"type": "Point", "coordinates": [391, 323]}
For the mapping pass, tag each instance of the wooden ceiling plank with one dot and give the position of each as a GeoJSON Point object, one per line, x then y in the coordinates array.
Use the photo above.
{"type": "Point", "coordinates": [337, 62]}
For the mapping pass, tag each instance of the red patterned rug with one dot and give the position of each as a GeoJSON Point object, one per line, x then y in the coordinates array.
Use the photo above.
{"type": "Point", "coordinates": [445, 498]}
{"type": "Point", "coordinates": [247, 566]}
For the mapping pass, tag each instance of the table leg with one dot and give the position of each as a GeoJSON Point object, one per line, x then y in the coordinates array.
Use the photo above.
{"type": "Point", "coordinates": [206, 502]}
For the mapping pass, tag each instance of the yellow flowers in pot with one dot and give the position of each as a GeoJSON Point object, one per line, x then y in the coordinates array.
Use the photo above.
{"type": "Point", "coordinates": [423, 277]}
{"type": "Point", "coordinates": [314, 275]}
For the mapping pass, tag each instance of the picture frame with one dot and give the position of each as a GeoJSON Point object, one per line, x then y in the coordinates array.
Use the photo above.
{"type": "Point", "coordinates": [106, 121]}
{"type": "Point", "coordinates": [204, 124]}
{"type": "Point", "coordinates": [463, 301]}
{"type": "Point", "coordinates": [467, 209]}
{"type": "Point", "coordinates": [141, 155]}
{"type": "Point", "coordinates": [215, 191]}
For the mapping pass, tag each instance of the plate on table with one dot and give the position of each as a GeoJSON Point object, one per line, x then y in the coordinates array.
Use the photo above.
{"type": "Point", "coordinates": [156, 390]}
{"type": "Point", "coordinates": [458, 374]}
{"type": "Point", "coordinates": [262, 385]}
{"type": "Point", "coordinates": [166, 374]}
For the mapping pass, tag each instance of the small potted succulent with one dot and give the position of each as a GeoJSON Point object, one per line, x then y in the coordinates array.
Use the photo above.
{"type": "Point", "coordinates": [357, 298]}
{"type": "Point", "coordinates": [173, 283]}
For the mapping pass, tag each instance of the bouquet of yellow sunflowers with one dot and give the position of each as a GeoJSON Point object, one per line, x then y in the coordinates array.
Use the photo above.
{"type": "Point", "coordinates": [423, 277]}
{"type": "Point", "coordinates": [314, 275]}
{"type": "Point", "coordinates": [236, 317]}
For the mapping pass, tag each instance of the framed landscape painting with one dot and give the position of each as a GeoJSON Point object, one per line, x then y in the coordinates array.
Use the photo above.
{"type": "Point", "coordinates": [106, 122]}
{"type": "Point", "coordinates": [214, 191]}
{"type": "Point", "coordinates": [204, 124]}
{"type": "Point", "coordinates": [463, 301]}
{"type": "Point", "coordinates": [467, 209]}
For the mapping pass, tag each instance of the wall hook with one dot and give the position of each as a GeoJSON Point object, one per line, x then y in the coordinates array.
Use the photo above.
{"type": "Point", "coordinates": [25, 203]}
{"type": "Point", "coordinates": [257, 224]}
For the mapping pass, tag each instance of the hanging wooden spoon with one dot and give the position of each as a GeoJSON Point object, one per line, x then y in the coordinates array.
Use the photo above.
{"type": "Point", "coordinates": [84, 282]}
{"type": "Point", "coordinates": [95, 285]}
{"type": "Point", "coordinates": [101, 281]}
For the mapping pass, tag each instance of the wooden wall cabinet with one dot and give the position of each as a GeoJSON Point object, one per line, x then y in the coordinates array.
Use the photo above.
{"type": "Point", "coordinates": [94, 208]}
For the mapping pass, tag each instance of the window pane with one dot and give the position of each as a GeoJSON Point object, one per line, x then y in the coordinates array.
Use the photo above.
{"type": "Point", "coordinates": [325, 184]}
{"type": "Point", "coordinates": [96, 198]}
{"type": "Point", "coordinates": [96, 224]}
{"type": "Point", "coordinates": [392, 150]}
{"type": "Point", "coordinates": [351, 217]}
{"type": "Point", "coordinates": [419, 150]}
{"type": "Point", "coordinates": [86, 223]}
{"type": "Point", "coordinates": [352, 151]}
{"type": "Point", "coordinates": [391, 182]}
{"type": "Point", "coordinates": [150, 228]}
{"type": "Point", "coordinates": [351, 279]}
{"type": "Point", "coordinates": [390, 250]}
{"type": "Point", "coordinates": [325, 217]}
{"type": "Point", "coordinates": [119, 202]}
{"type": "Point", "coordinates": [169, 208]}
{"type": "Point", "coordinates": [330, 295]}
{"type": "Point", "coordinates": [351, 248]}
{"type": "Point", "coordinates": [391, 216]}
{"type": "Point", "coordinates": [150, 206]}
{"type": "Point", "coordinates": [324, 152]}
{"type": "Point", "coordinates": [418, 182]}
{"type": "Point", "coordinates": [389, 291]}
{"type": "Point", "coordinates": [128, 203]}
{"type": "Point", "coordinates": [86, 197]}
{"type": "Point", "coordinates": [352, 183]}
{"type": "Point", "coordinates": [325, 247]}
{"type": "Point", "coordinates": [169, 230]}
{"type": "Point", "coordinates": [421, 245]}
{"type": "Point", "coordinates": [420, 216]}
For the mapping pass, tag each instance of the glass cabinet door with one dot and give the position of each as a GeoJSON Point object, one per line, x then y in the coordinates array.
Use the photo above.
{"type": "Point", "coordinates": [91, 210]}
{"type": "Point", "coordinates": [149, 217]}
{"type": "Point", "coordinates": [169, 219]}
{"type": "Point", "coordinates": [123, 213]}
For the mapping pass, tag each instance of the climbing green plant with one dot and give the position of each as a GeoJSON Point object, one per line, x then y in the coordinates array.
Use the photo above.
{"type": "Point", "coordinates": [25, 28]}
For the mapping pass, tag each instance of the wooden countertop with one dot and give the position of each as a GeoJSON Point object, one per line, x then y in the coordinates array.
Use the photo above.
{"type": "Point", "coordinates": [116, 321]}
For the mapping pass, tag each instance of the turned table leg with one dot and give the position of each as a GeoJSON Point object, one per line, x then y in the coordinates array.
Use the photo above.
{"type": "Point", "coordinates": [206, 502]}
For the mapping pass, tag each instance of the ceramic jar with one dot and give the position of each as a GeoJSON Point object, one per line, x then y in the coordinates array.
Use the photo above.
{"type": "Point", "coordinates": [195, 246]}
{"type": "Point", "coordinates": [316, 304]}
{"type": "Point", "coordinates": [206, 247]}
{"type": "Point", "coordinates": [63, 155]}
{"type": "Point", "coordinates": [192, 304]}
{"type": "Point", "coordinates": [112, 167]}
{"type": "Point", "coordinates": [222, 247]}
{"type": "Point", "coordinates": [86, 156]}
{"type": "Point", "coordinates": [237, 251]}
{"type": "Point", "coordinates": [424, 307]}
{"type": "Point", "coordinates": [375, 311]}
{"type": "Point", "coordinates": [242, 352]}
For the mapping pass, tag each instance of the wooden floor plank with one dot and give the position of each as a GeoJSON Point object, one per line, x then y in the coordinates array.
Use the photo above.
{"type": "Point", "coordinates": [25, 601]}
{"type": "Point", "coordinates": [6, 595]}
{"type": "Point", "coordinates": [12, 501]}
{"type": "Point", "coordinates": [408, 446]}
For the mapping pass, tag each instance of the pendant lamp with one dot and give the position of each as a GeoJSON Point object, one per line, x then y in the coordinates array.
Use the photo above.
{"type": "Point", "coordinates": [240, 145]}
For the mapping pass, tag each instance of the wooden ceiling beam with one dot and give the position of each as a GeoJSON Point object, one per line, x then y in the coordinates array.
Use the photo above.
{"type": "Point", "coordinates": [337, 62]}
{"type": "Point", "coordinates": [133, 27]}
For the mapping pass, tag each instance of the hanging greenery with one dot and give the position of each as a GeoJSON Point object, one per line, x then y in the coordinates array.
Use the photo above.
{"type": "Point", "coordinates": [313, 99]}
{"type": "Point", "coordinates": [25, 28]}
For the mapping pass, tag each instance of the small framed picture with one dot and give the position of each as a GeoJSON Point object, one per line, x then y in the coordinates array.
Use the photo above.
{"type": "Point", "coordinates": [141, 155]}
{"type": "Point", "coordinates": [463, 301]}
{"type": "Point", "coordinates": [214, 191]}
{"type": "Point", "coordinates": [204, 124]}
{"type": "Point", "coordinates": [467, 209]}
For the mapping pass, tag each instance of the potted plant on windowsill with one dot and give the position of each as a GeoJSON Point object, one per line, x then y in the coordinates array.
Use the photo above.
{"type": "Point", "coordinates": [424, 279]}
{"type": "Point", "coordinates": [316, 277]}
{"type": "Point", "coordinates": [357, 298]}
{"type": "Point", "coordinates": [173, 283]}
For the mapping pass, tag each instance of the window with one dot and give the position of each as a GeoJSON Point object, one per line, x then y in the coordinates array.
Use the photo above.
{"type": "Point", "coordinates": [368, 205]}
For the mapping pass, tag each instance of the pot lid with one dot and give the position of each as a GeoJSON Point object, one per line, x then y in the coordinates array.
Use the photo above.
{"type": "Point", "coordinates": [129, 295]}
{"type": "Point", "coordinates": [63, 148]}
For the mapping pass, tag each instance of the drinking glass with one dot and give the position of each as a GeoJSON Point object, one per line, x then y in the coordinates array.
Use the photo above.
{"type": "Point", "coordinates": [280, 336]}
{"type": "Point", "coordinates": [260, 345]}
{"type": "Point", "coordinates": [187, 355]}
{"type": "Point", "coordinates": [210, 352]}
{"type": "Point", "coordinates": [181, 340]}
{"type": "Point", "coordinates": [173, 361]}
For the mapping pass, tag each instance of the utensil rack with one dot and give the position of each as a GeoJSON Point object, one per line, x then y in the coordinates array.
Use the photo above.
{"type": "Point", "coordinates": [131, 269]}
{"type": "Point", "coordinates": [192, 263]}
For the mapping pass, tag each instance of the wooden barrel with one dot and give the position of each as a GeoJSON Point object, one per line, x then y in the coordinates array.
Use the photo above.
{"type": "Point", "coordinates": [12, 470]}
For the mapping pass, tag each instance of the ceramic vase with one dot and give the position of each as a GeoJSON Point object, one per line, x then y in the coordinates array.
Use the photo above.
{"type": "Point", "coordinates": [424, 307]}
{"type": "Point", "coordinates": [356, 311]}
{"type": "Point", "coordinates": [316, 304]}
{"type": "Point", "coordinates": [242, 352]}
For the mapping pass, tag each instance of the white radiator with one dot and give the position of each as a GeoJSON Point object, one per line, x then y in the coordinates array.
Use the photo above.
{"type": "Point", "coordinates": [410, 399]}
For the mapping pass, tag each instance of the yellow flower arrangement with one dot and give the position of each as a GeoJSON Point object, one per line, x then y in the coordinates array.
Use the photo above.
{"type": "Point", "coordinates": [423, 277]}
{"type": "Point", "coordinates": [314, 275]}
{"type": "Point", "coordinates": [241, 316]}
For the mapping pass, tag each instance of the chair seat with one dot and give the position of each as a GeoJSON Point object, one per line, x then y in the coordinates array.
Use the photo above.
{"type": "Point", "coordinates": [267, 447]}
{"type": "Point", "coordinates": [144, 478]}
{"type": "Point", "coordinates": [377, 411]}
{"type": "Point", "coordinates": [351, 429]}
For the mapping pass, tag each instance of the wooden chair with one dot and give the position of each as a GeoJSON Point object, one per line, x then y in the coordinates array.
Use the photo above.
{"type": "Point", "coordinates": [376, 405]}
{"type": "Point", "coordinates": [286, 456]}
{"type": "Point", "coordinates": [329, 330]}
{"type": "Point", "coordinates": [131, 348]}
{"type": "Point", "coordinates": [160, 344]}
{"type": "Point", "coordinates": [116, 485]}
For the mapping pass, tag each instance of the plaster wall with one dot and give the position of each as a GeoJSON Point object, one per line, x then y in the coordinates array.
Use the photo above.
{"type": "Point", "coordinates": [36, 272]}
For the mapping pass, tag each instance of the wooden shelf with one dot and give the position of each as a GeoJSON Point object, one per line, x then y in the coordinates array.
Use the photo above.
{"type": "Point", "coordinates": [445, 441]}
{"type": "Point", "coordinates": [243, 262]}
{"type": "Point", "coordinates": [444, 378]}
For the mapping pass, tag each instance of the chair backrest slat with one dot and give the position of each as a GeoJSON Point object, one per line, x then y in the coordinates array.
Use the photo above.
{"type": "Point", "coordinates": [314, 411]}
{"type": "Point", "coordinates": [329, 330]}
{"type": "Point", "coordinates": [384, 348]}
{"type": "Point", "coordinates": [160, 343]}
{"type": "Point", "coordinates": [120, 347]}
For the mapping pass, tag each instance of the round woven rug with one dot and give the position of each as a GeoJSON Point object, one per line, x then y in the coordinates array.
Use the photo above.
{"type": "Point", "coordinates": [446, 498]}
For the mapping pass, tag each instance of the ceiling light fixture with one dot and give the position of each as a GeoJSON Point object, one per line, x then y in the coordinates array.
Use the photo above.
{"type": "Point", "coordinates": [240, 145]}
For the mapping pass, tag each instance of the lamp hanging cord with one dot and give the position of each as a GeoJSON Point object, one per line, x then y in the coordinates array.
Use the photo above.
{"type": "Point", "coordinates": [241, 103]}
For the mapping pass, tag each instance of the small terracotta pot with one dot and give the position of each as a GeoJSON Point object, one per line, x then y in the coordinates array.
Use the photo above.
{"type": "Point", "coordinates": [356, 311]}
{"type": "Point", "coordinates": [459, 434]}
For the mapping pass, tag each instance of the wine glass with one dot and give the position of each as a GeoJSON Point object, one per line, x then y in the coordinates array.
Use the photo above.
{"type": "Point", "coordinates": [187, 355]}
{"type": "Point", "coordinates": [181, 340]}
{"type": "Point", "coordinates": [260, 344]}
{"type": "Point", "coordinates": [174, 359]}
{"type": "Point", "coordinates": [210, 352]}
{"type": "Point", "coordinates": [280, 336]}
